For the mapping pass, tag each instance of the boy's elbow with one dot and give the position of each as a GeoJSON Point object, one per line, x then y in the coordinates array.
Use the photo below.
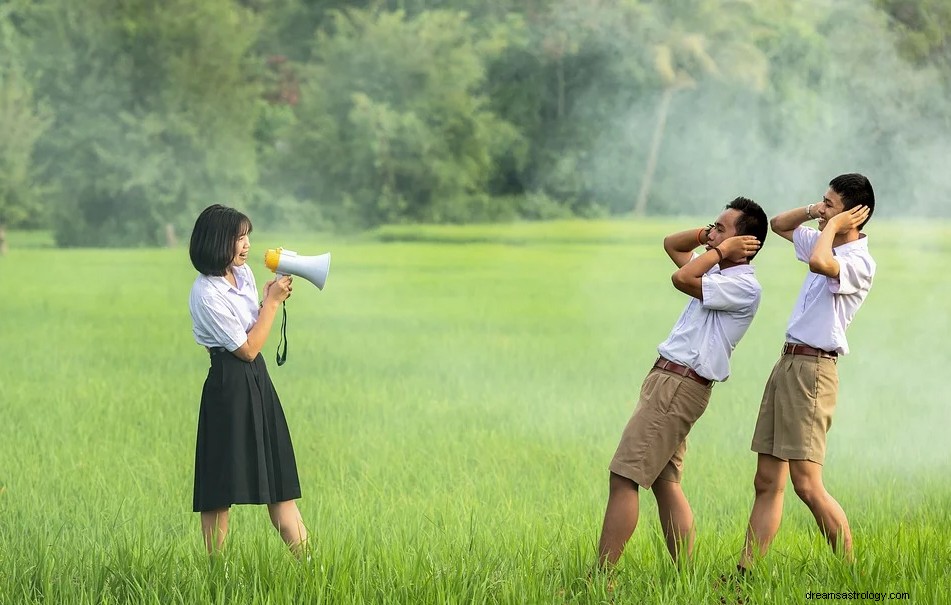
{"type": "Point", "coordinates": [679, 280]}
{"type": "Point", "coordinates": [774, 224]}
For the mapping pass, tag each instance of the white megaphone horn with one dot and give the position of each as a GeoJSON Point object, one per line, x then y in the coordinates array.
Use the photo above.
{"type": "Point", "coordinates": [287, 262]}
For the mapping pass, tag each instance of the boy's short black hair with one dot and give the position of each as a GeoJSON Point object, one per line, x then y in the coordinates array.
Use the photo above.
{"type": "Point", "coordinates": [752, 220]}
{"type": "Point", "coordinates": [855, 190]}
{"type": "Point", "coordinates": [212, 243]}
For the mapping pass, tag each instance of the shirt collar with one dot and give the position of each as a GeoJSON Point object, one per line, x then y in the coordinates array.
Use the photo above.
{"type": "Point", "coordinates": [858, 244]}
{"type": "Point", "coordinates": [738, 269]}
{"type": "Point", "coordinates": [223, 285]}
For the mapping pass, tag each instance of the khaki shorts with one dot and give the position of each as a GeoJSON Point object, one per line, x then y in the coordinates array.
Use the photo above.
{"type": "Point", "coordinates": [655, 439]}
{"type": "Point", "coordinates": [797, 407]}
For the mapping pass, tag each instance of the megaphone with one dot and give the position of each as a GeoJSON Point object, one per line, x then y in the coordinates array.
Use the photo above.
{"type": "Point", "coordinates": [287, 262]}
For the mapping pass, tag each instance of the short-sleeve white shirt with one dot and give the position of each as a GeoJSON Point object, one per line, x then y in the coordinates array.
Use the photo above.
{"type": "Point", "coordinates": [707, 332]}
{"type": "Point", "coordinates": [222, 314]}
{"type": "Point", "coordinates": [827, 305]}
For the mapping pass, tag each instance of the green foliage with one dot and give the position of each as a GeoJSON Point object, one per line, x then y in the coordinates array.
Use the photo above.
{"type": "Point", "coordinates": [288, 26]}
{"type": "Point", "coordinates": [154, 110]}
{"type": "Point", "coordinates": [122, 118]}
{"type": "Point", "coordinates": [22, 122]}
{"type": "Point", "coordinates": [566, 79]}
{"type": "Point", "coordinates": [924, 30]}
{"type": "Point", "coordinates": [391, 125]}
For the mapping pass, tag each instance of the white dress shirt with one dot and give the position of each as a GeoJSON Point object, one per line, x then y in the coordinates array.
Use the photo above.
{"type": "Point", "coordinates": [707, 332]}
{"type": "Point", "coordinates": [222, 314]}
{"type": "Point", "coordinates": [827, 305]}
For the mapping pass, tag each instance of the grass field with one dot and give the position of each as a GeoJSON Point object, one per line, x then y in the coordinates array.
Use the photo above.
{"type": "Point", "coordinates": [454, 396]}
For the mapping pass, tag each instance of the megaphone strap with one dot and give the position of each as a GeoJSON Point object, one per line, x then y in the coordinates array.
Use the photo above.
{"type": "Point", "coordinates": [282, 356]}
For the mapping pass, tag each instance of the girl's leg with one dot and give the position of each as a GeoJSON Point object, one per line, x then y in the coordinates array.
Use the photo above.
{"type": "Point", "coordinates": [214, 528]}
{"type": "Point", "coordinates": [287, 519]}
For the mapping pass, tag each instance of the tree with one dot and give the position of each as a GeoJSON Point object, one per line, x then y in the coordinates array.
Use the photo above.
{"type": "Point", "coordinates": [22, 122]}
{"type": "Point", "coordinates": [696, 42]}
{"type": "Point", "coordinates": [924, 31]}
{"type": "Point", "coordinates": [288, 26]}
{"type": "Point", "coordinates": [155, 108]}
{"type": "Point", "coordinates": [391, 125]}
{"type": "Point", "coordinates": [570, 69]}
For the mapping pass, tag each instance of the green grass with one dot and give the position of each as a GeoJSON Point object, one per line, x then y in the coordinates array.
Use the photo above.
{"type": "Point", "coordinates": [453, 407]}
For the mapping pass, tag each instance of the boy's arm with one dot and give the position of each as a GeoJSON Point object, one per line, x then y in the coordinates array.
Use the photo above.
{"type": "Point", "coordinates": [689, 278]}
{"type": "Point", "coordinates": [784, 224]}
{"type": "Point", "coordinates": [680, 246]}
{"type": "Point", "coordinates": [822, 261]}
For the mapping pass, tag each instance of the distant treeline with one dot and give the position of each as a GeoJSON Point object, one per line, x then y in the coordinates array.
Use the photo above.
{"type": "Point", "coordinates": [120, 120]}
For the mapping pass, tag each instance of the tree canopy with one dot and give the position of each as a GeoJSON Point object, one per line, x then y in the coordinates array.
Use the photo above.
{"type": "Point", "coordinates": [119, 121]}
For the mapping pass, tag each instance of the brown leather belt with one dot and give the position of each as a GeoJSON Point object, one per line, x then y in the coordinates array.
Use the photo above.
{"type": "Point", "coordinates": [663, 363]}
{"type": "Point", "coordinates": [791, 349]}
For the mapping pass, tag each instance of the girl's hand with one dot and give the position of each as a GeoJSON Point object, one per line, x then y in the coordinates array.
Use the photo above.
{"type": "Point", "coordinates": [279, 289]}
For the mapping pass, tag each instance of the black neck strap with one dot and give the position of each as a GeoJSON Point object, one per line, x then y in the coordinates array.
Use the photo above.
{"type": "Point", "coordinates": [282, 356]}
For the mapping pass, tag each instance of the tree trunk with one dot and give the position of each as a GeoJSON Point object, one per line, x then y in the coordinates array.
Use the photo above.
{"type": "Point", "coordinates": [647, 180]}
{"type": "Point", "coordinates": [560, 72]}
{"type": "Point", "coordinates": [3, 239]}
{"type": "Point", "coordinates": [171, 240]}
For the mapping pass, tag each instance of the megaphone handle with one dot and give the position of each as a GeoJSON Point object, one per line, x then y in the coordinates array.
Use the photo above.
{"type": "Point", "coordinates": [282, 357]}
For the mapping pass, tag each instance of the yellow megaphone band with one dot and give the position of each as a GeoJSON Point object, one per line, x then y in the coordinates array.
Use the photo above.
{"type": "Point", "coordinates": [271, 258]}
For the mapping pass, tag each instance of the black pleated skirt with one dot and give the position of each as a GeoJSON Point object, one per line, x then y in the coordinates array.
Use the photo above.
{"type": "Point", "coordinates": [244, 453]}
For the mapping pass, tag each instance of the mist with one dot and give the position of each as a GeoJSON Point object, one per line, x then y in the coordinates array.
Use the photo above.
{"type": "Point", "coordinates": [780, 139]}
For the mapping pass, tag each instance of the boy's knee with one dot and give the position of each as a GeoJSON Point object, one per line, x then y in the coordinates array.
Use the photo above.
{"type": "Point", "coordinates": [666, 489]}
{"type": "Point", "coordinates": [809, 491]}
{"type": "Point", "coordinates": [764, 483]}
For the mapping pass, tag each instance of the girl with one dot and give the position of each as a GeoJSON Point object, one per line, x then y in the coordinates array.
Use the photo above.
{"type": "Point", "coordinates": [244, 453]}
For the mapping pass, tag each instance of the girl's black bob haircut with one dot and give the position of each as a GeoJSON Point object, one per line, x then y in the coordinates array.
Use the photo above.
{"type": "Point", "coordinates": [212, 244]}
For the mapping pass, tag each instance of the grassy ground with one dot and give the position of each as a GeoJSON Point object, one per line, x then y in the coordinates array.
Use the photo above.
{"type": "Point", "coordinates": [454, 396]}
